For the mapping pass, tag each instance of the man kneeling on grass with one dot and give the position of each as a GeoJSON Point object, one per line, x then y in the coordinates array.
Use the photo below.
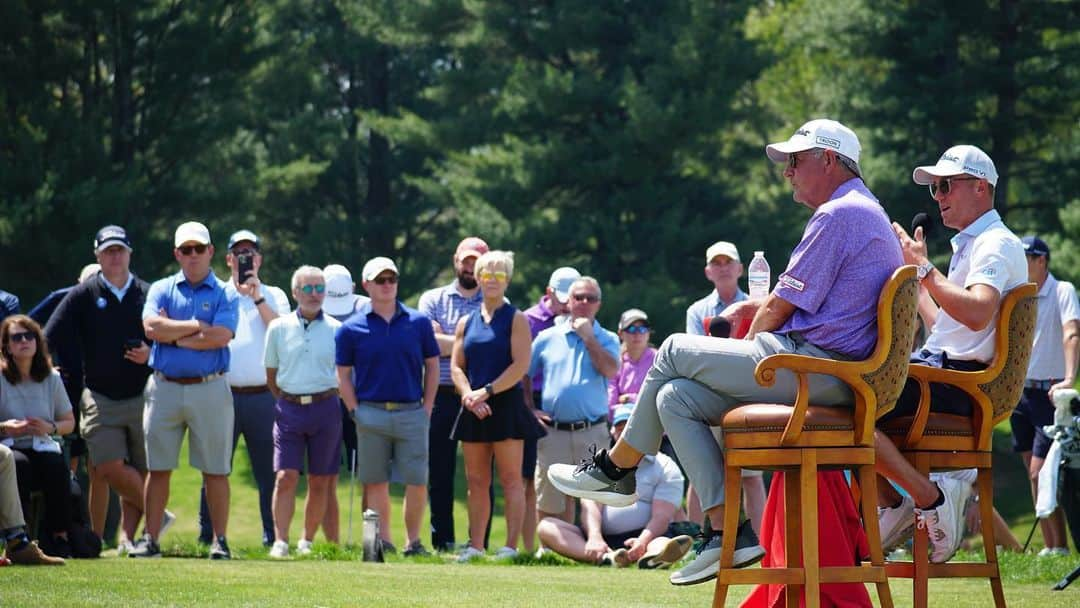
{"type": "Point", "coordinates": [619, 536]}
{"type": "Point", "coordinates": [300, 372]}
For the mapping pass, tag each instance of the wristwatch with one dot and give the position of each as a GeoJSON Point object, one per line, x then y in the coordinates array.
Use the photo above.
{"type": "Point", "coordinates": [923, 270]}
{"type": "Point", "coordinates": [490, 389]}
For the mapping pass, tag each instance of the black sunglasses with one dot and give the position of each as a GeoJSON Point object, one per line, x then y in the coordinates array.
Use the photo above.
{"type": "Point", "coordinates": [23, 336]}
{"type": "Point", "coordinates": [587, 297]}
{"type": "Point", "coordinates": [384, 280]}
{"type": "Point", "coordinates": [945, 185]}
{"type": "Point", "coordinates": [189, 249]}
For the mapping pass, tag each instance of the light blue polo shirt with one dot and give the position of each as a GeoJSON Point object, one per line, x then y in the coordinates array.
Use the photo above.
{"type": "Point", "coordinates": [207, 301]}
{"type": "Point", "coordinates": [302, 352]}
{"type": "Point", "coordinates": [573, 389]}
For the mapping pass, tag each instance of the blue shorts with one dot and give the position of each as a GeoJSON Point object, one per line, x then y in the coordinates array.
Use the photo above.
{"type": "Point", "coordinates": [1034, 411]}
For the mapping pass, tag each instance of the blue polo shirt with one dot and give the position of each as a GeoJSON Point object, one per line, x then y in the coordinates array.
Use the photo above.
{"type": "Point", "coordinates": [387, 358]}
{"type": "Point", "coordinates": [207, 301]}
{"type": "Point", "coordinates": [573, 389]}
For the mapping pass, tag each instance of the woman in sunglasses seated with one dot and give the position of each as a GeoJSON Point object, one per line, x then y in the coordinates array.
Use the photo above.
{"type": "Point", "coordinates": [491, 354]}
{"type": "Point", "coordinates": [636, 357]}
{"type": "Point", "coordinates": [34, 408]}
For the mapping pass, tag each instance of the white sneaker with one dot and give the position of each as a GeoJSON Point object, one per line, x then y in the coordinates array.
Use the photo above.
{"type": "Point", "coordinates": [1053, 551]}
{"type": "Point", "coordinates": [280, 550]}
{"type": "Point", "coordinates": [619, 558]}
{"type": "Point", "coordinates": [167, 520]}
{"type": "Point", "coordinates": [945, 524]}
{"type": "Point", "coordinates": [468, 554]}
{"type": "Point", "coordinates": [896, 524]}
{"type": "Point", "coordinates": [124, 547]}
{"type": "Point", "coordinates": [303, 547]}
{"type": "Point", "coordinates": [506, 553]}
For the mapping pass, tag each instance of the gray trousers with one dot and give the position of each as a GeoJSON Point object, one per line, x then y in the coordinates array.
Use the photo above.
{"type": "Point", "coordinates": [11, 514]}
{"type": "Point", "coordinates": [695, 380]}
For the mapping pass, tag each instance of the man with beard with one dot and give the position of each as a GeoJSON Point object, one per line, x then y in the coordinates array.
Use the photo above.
{"type": "Point", "coordinates": [445, 306]}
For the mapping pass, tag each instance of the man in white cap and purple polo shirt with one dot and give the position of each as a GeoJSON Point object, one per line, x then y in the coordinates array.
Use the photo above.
{"type": "Point", "coordinates": [988, 262]}
{"type": "Point", "coordinates": [824, 305]}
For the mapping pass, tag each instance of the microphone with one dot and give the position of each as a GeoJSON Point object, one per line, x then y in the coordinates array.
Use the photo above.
{"type": "Point", "coordinates": [922, 220]}
{"type": "Point", "coordinates": [717, 327]}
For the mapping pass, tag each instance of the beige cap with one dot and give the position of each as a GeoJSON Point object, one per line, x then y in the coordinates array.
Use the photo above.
{"type": "Point", "coordinates": [721, 248]}
{"type": "Point", "coordinates": [192, 231]}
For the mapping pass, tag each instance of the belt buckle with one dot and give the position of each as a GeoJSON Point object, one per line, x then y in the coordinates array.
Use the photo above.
{"type": "Point", "coordinates": [305, 399]}
{"type": "Point", "coordinates": [390, 406]}
{"type": "Point", "coordinates": [579, 426]}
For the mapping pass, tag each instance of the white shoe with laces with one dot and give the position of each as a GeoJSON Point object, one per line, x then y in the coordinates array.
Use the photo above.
{"type": "Point", "coordinates": [896, 524]}
{"type": "Point", "coordinates": [945, 523]}
{"type": "Point", "coordinates": [280, 550]}
{"type": "Point", "coordinates": [303, 547]}
{"type": "Point", "coordinates": [469, 553]}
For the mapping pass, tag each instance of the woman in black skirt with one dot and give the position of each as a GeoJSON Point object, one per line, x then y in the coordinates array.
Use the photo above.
{"type": "Point", "coordinates": [491, 354]}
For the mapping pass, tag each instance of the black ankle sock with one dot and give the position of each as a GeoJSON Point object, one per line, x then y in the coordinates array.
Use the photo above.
{"type": "Point", "coordinates": [898, 502]}
{"type": "Point", "coordinates": [609, 468]}
{"type": "Point", "coordinates": [937, 503]}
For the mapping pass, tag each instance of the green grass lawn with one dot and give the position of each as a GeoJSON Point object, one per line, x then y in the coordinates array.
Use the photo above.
{"type": "Point", "coordinates": [334, 576]}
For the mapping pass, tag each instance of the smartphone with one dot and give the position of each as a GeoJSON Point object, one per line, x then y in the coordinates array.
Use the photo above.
{"type": "Point", "coordinates": [132, 343]}
{"type": "Point", "coordinates": [245, 266]}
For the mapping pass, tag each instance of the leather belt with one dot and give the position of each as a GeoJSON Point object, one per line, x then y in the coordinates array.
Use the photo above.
{"type": "Point", "coordinates": [1042, 385]}
{"type": "Point", "coordinates": [579, 425]}
{"type": "Point", "coordinates": [391, 406]}
{"type": "Point", "coordinates": [308, 399]}
{"type": "Point", "coordinates": [249, 390]}
{"type": "Point", "coordinates": [190, 379]}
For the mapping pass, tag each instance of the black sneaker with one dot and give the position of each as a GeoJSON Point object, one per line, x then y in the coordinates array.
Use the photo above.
{"type": "Point", "coordinates": [415, 549]}
{"type": "Point", "coordinates": [706, 563]}
{"type": "Point", "coordinates": [388, 548]}
{"type": "Point", "coordinates": [219, 549]}
{"type": "Point", "coordinates": [147, 547]}
{"type": "Point", "coordinates": [587, 480]}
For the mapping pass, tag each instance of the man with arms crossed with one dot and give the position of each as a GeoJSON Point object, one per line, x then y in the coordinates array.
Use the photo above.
{"type": "Point", "coordinates": [824, 305]}
{"type": "Point", "coordinates": [191, 317]}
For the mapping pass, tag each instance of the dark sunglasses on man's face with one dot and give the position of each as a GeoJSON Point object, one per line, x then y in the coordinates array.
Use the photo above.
{"type": "Point", "coordinates": [637, 329]}
{"type": "Point", "coordinates": [392, 279]}
{"type": "Point", "coordinates": [22, 336]}
{"type": "Point", "coordinates": [945, 185]}
{"type": "Point", "coordinates": [189, 249]}
{"type": "Point", "coordinates": [309, 289]}
{"type": "Point", "coordinates": [586, 297]}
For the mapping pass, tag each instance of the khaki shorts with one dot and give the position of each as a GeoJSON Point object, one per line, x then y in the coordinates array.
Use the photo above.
{"type": "Point", "coordinates": [398, 439]}
{"type": "Point", "coordinates": [206, 409]}
{"type": "Point", "coordinates": [113, 428]}
{"type": "Point", "coordinates": [563, 447]}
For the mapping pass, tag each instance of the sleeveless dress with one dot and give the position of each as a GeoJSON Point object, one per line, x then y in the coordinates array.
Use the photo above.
{"type": "Point", "coordinates": [487, 355]}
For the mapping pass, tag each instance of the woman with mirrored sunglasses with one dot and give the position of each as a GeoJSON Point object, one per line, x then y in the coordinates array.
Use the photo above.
{"type": "Point", "coordinates": [636, 357]}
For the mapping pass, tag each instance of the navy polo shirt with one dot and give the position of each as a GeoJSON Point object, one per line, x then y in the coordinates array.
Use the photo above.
{"type": "Point", "coordinates": [387, 358]}
{"type": "Point", "coordinates": [207, 301]}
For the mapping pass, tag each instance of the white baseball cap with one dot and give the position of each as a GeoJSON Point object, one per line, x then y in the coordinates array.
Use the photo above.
{"type": "Point", "coordinates": [191, 231]}
{"type": "Point", "coordinates": [955, 161]}
{"type": "Point", "coordinates": [560, 282]}
{"type": "Point", "coordinates": [375, 266]}
{"type": "Point", "coordinates": [819, 133]}
{"type": "Point", "coordinates": [721, 248]}
{"type": "Point", "coordinates": [340, 297]}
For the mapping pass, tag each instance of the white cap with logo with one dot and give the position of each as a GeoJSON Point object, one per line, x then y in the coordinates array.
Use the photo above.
{"type": "Point", "coordinates": [376, 266]}
{"type": "Point", "coordinates": [191, 231]}
{"type": "Point", "coordinates": [340, 297]}
{"type": "Point", "coordinates": [723, 248]}
{"type": "Point", "coordinates": [958, 160]}
{"type": "Point", "coordinates": [819, 133]}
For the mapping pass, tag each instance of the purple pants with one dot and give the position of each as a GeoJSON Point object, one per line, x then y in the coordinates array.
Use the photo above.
{"type": "Point", "coordinates": [313, 430]}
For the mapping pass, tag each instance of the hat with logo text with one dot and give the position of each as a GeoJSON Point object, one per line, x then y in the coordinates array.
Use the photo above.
{"type": "Point", "coordinates": [958, 160]}
{"type": "Point", "coordinates": [111, 235]}
{"type": "Point", "coordinates": [340, 294]}
{"type": "Point", "coordinates": [243, 235]}
{"type": "Point", "coordinates": [819, 133]}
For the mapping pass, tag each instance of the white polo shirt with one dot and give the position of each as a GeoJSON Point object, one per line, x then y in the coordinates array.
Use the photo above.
{"type": "Point", "coordinates": [303, 353]}
{"type": "Point", "coordinates": [658, 478]}
{"type": "Point", "coordinates": [246, 347]}
{"type": "Point", "coordinates": [984, 253]}
{"type": "Point", "coordinates": [1057, 306]}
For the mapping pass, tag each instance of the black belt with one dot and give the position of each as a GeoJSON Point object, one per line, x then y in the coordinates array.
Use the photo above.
{"type": "Point", "coordinates": [191, 379]}
{"type": "Point", "coordinates": [249, 390]}
{"type": "Point", "coordinates": [309, 399]}
{"type": "Point", "coordinates": [578, 425]}
{"type": "Point", "coordinates": [1042, 385]}
{"type": "Point", "coordinates": [446, 389]}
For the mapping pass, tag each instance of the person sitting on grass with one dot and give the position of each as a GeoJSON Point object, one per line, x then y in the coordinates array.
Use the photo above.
{"type": "Point", "coordinates": [620, 536]}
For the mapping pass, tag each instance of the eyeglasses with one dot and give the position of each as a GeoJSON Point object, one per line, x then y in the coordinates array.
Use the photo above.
{"type": "Point", "coordinates": [498, 275]}
{"type": "Point", "coordinates": [22, 336]}
{"type": "Point", "coordinates": [945, 185]}
{"type": "Point", "coordinates": [309, 289]}
{"type": "Point", "coordinates": [586, 297]}
{"type": "Point", "coordinates": [189, 249]}
{"type": "Point", "coordinates": [793, 158]}
{"type": "Point", "coordinates": [392, 279]}
{"type": "Point", "coordinates": [637, 329]}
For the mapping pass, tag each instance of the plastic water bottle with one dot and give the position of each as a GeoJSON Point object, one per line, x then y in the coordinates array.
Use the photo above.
{"type": "Point", "coordinates": [371, 539]}
{"type": "Point", "coordinates": [758, 276]}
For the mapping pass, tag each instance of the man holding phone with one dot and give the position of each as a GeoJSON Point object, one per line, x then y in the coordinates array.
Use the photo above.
{"type": "Point", "coordinates": [97, 328]}
{"type": "Point", "coordinates": [253, 403]}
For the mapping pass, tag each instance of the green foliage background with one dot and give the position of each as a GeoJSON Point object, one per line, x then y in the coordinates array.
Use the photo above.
{"type": "Point", "coordinates": [618, 136]}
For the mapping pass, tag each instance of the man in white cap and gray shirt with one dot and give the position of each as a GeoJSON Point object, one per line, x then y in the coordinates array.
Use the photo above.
{"type": "Point", "coordinates": [960, 309]}
{"type": "Point", "coordinates": [723, 269]}
{"type": "Point", "coordinates": [191, 316]}
{"type": "Point", "coordinates": [824, 305]}
{"type": "Point", "coordinates": [253, 404]}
